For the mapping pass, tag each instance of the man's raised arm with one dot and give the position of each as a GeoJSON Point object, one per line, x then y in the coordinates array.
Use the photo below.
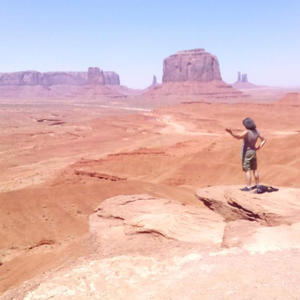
{"type": "Point", "coordinates": [235, 135]}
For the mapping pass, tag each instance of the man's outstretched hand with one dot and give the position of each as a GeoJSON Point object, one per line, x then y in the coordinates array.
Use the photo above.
{"type": "Point", "coordinates": [229, 130]}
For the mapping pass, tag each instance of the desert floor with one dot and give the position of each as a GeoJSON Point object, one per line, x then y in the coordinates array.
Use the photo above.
{"type": "Point", "coordinates": [58, 162]}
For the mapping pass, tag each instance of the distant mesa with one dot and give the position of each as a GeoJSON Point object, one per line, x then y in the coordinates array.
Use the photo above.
{"type": "Point", "coordinates": [191, 65]}
{"type": "Point", "coordinates": [194, 75]}
{"type": "Point", "coordinates": [93, 76]}
{"type": "Point", "coordinates": [35, 86]}
{"type": "Point", "coordinates": [243, 83]}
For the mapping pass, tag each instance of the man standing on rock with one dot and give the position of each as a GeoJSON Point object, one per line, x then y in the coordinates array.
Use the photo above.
{"type": "Point", "coordinates": [249, 148]}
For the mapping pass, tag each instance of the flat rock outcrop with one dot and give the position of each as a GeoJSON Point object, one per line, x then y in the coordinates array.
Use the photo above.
{"type": "Point", "coordinates": [186, 275]}
{"type": "Point", "coordinates": [238, 246]}
{"type": "Point", "coordinates": [270, 209]}
{"type": "Point", "coordinates": [132, 222]}
{"type": "Point", "coordinates": [191, 65]}
{"type": "Point", "coordinates": [256, 222]}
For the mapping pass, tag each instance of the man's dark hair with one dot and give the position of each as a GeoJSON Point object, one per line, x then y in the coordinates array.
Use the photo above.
{"type": "Point", "coordinates": [249, 124]}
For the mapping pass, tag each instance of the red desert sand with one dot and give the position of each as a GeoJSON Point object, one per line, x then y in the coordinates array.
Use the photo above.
{"type": "Point", "coordinates": [114, 201]}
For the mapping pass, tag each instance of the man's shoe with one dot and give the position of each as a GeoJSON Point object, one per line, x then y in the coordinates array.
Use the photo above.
{"type": "Point", "coordinates": [246, 189]}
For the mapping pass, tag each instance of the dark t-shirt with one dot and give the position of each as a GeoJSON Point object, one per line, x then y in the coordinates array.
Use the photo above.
{"type": "Point", "coordinates": [250, 141]}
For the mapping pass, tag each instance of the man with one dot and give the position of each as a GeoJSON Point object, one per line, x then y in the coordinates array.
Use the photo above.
{"type": "Point", "coordinates": [249, 148]}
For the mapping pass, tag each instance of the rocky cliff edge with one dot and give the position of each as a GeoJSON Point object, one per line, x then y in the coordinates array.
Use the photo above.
{"type": "Point", "coordinates": [229, 245]}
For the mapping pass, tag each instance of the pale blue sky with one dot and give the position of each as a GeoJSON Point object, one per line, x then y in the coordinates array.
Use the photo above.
{"type": "Point", "coordinates": [261, 38]}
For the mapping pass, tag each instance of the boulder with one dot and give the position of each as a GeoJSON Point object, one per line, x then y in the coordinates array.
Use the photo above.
{"type": "Point", "coordinates": [191, 65]}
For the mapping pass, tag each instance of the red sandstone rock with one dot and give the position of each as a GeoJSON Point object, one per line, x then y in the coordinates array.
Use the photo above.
{"type": "Point", "coordinates": [186, 275]}
{"type": "Point", "coordinates": [32, 152]}
{"type": "Point", "coordinates": [193, 75]}
{"type": "Point", "coordinates": [151, 248]}
{"type": "Point", "coordinates": [191, 65]}
{"type": "Point", "coordinates": [141, 222]}
{"type": "Point", "coordinates": [271, 209]}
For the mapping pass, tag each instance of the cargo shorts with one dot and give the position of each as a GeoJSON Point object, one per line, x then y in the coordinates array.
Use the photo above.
{"type": "Point", "coordinates": [249, 161]}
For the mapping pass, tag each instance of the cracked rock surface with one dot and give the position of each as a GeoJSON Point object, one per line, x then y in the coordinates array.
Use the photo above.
{"type": "Point", "coordinates": [269, 209]}
{"type": "Point", "coordinates": [238, 246]}
{"type": "Point", "coordinates": [141, 222]}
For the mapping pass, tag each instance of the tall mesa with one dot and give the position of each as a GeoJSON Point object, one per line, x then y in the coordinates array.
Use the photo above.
{"type": "Point", "coordinates": [191, 65]}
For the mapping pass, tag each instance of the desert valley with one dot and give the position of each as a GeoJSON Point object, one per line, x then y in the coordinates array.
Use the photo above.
{"type": "Point", "coordinates": [107, 192]}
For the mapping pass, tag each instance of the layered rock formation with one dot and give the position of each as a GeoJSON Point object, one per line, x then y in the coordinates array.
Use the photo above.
{"type": "Point", "coordinates": [130, 223]}
{"type": "Point", "coordinates": [195, 75]}
{"type": "Point", "coordinates": [93, 76]}
{"type": "Point", "coordinates": [242, 246]}
{"type": "Point", "coordinates": [191, 65]}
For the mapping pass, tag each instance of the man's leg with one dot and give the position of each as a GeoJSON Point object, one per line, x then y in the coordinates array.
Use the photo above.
{"type": "Point", "coordinates": [247, 168]}
{"type": "Point", "coordinates": [256, 176]}
{"type": "Point", "coordinates": [248, 178]}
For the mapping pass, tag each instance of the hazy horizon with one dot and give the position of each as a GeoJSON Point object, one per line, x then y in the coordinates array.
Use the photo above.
{"type": "Point", "coordinates": [133, 38]}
